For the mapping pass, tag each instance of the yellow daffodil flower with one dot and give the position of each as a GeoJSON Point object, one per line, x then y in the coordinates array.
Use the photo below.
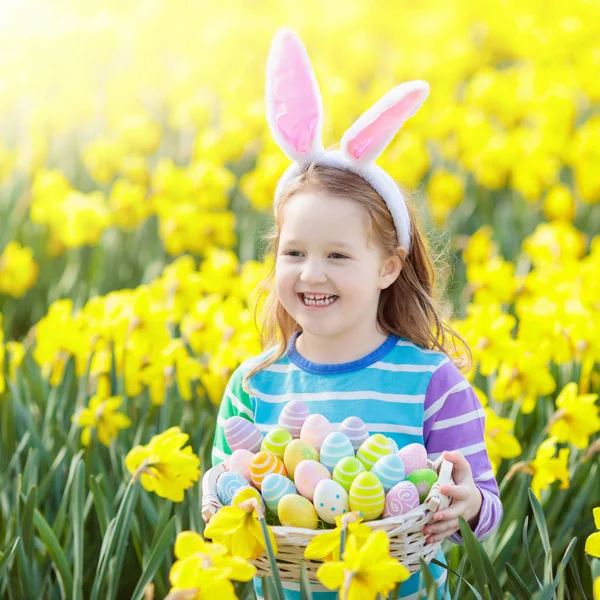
{"type": "Point", "coordinates": [592, 544]}
{"type": "Point", "coordinates": [499, 439]}
{"type": "Point", "coordinates": [101, 415]}
{"type": "Point", "coordinates": [18, 270]}
{"type": "Point", "coordinates": [546, 468]}
{"type": "Point", "coordinates": [326, 546]}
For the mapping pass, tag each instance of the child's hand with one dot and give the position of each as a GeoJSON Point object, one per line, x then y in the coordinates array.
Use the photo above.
{"type": "Point", "coordinates": [465, 497]}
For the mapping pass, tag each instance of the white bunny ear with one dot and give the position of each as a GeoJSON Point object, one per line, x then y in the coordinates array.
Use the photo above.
{"type": "Point", "coordinates": [374, 130]}
{"type": "Point", "coordinates": [293, 99]}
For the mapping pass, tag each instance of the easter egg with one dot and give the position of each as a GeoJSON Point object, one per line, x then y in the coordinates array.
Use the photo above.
{"type": "Point", "coordinates": [239, 462]}
{"type": "Point", "coordinates": [393, 444]}
{"type": "Point", "coordinates": [315, 429]}
{"type": "Point", "coordinates": [402, 498]}
{"type": "Point", "coordinates": [242, 434]}
{"type": "Point", "coordinates": [227, 484]}
{"type": "Point", "coordinates": [372, 449]}
{"type": "Point", "coordinates": [367, 496]}
{"type": "Point", "coordinates": [330, 500]}
{"type": "Point", "coordinates": [355, 430]}
{"type": "Point", "coordinates": [390, 470]}
{"type": "Point", "coordinates": [276, 442]}
{"type": "Point", "coordinates": [335, 447]}
{"type": "Point", "coordinates": [296, 511]}
{"type": "Point", "coordinates": [246, 493]}
{"type": "Point", "coordinates": [274, 488]}
{"type": "Point", "coordinates": [423, 479]}
{"type": "Point", "coordinates": [414, 457]}
{"type": "Point", "coordinates": [262, 464]}
{"type": "Point", "coordinates": [292, 417]}
{"type": "Point", "coordinates": [346, 470]}
{"type": "Point", "coordinates": [308, 474]}
{"type": "Point", "coordinates": [297, 451]}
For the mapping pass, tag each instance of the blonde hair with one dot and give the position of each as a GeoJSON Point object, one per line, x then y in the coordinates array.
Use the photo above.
{"type": "Point", "coordinates": [408, 308]}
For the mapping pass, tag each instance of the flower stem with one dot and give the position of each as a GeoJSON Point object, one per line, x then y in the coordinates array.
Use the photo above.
{"type": "Point", "coordinates": [274, 568]}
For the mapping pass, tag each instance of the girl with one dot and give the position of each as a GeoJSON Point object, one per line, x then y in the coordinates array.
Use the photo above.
{"type": "Point", "coordinates": [351, 324]}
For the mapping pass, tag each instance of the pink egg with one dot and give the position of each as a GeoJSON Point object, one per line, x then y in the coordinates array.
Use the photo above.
{"type": "Point", "coordinates": [292, 417]}
{"type": "Point", "coordinates": [315, 429]}
{"type": "Point", "coordinates": [355, 430]}
{"type": "Point", "coordinates": [414, 457]}
{"type": "Point", "coordinates": [239, 462]}
{"type": "Point", "coordinates": [308, 473]}
{"type": "Point", "coordinates": [242, 434]}
{"type": "Point", "coordinates": [402, 498]}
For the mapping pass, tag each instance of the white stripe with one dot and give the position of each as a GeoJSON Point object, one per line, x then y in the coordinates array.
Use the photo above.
{"type": "Point", "coordinates": [438, 404]}
{"type": "Point", "coordinates": [275, 368]}
{"type": "Point", "coordinates": [371, 427]}
{"type": "Point", "coordinates": [484, 476]}
{"type": "Point", "coordinates": [470, 416]}
{"type": "Point", "coordinates": [241, 407]}
{"type": "Point", "coordinates": [220, 454]}
{"type": "Point", "coordinates": [341, 396]}
{"type": "Point", "coordinates": [221, 421]}
{"type": "Point", "coordinates": [405, 368]}
{"type": "Point", "coordinates": [466, 450]}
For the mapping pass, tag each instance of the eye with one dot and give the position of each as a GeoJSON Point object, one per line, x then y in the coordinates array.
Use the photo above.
{"type": "Point", "coordinates": [292, 253]}
{"type": "Point", "coordinates": [337, 255]}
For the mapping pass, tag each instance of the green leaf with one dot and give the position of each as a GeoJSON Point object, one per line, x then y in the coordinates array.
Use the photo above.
{"type": "Point", "coordinates": [527, 553]}
{"type": "Point", "coordinates": [428, 579]}
{"type": "Point", "coordinates": [54, 549]}
{"type": "Point", "coordinates": [77, 524]}
{"type": "Point", "coordinates": [563, 563]}
{"type": "Point", "coordinates": [163, 519]}
{"type": "Point", "coordinates": [575, 572]}
{"type": "Point", "coordinates": [473, 549]}
{"type": "Point", "coordinates": [273, 562]}
{"type": "Point", "coordinates": [7, 554]}
{"type": "Point", "coordinates": [459, 575]}
{"type": "Point", "coordinates": [305, 591]}
{"type": "Point", "coordinates": [521, 590]}
{"type": "Point", "coordinates": [157, 555]}
{"type": "Point", "coordinates": [27, 522]}
{"type": "Point", "coordinates": [540, 521]}
{"type": "Point", "coordinates": [269, 590]}
{"type": "Point", "coordinates": [99, 503]}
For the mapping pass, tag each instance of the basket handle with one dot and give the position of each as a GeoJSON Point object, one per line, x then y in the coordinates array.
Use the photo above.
{"type": "Point", "coordinates": [210, 501]}
{"type": "Point", "coordinates": [435, 499]}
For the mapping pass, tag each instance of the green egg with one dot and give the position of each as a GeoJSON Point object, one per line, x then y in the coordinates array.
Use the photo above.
{"type": "Point", "coordinates": [346, 471]}
{"type": "Point", "coordinates": [276, 441]}
{"type": "Point", "coordinates": [423, 479]}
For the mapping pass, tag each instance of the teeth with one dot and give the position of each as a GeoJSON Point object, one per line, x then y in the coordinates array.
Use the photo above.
{"type": "Point", "coordinates": [318, 300]}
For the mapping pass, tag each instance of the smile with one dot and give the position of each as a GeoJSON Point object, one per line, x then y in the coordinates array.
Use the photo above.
{"type": "Point", "coordinates": [317, 299]}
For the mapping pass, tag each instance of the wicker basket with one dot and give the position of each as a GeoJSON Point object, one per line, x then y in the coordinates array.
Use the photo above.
{"type": "Point", "coordinates": [407, 541]}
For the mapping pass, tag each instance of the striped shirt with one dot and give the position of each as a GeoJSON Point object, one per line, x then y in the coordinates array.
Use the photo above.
{"type": "Point", "coordinates": [400, 389]}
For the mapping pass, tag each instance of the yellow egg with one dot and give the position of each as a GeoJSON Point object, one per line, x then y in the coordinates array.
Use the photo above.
{"type": "Point", "coordinates": [262, 464]}
{"type": "Point", "coordinates": [367, 496]}
{"type": "Point", "coordinates": [276, 441]}
{"type": "Point", "coordinates": [372, 449]}
{"type": "Point", "coordinates": [297, 451]}
{"type": "Point", "coordinates": [246, 493]}
{"type": "Point", "coordinates": [297, 511]}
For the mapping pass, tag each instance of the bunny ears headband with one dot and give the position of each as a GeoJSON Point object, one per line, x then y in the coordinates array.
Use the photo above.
{"type": "Point", "coordinates": [295, 117]}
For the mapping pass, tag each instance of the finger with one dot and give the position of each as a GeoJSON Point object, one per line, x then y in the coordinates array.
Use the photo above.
{"type": "Point", "coordinates": [452, 512]}
{"type": "Point", "coordinates": [458, 492]}
{"type": "Point", "coordinates": [437, 528]}
{"type": "Point", "coordinates": [438, 537]}
{"type": "Point", "coordinates": [462, 468]}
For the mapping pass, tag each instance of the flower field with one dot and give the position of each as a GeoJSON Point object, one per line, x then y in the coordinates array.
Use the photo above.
{"type": "Point", "coordinates": [137, 174]}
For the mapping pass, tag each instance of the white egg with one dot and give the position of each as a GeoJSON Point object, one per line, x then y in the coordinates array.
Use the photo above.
{"type": "Point", "coordinates": [330, 500]}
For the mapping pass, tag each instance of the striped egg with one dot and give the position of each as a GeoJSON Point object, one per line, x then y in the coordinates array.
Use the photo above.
{"type": "Point", "coordinates": [390, 470]}
{"type": "Point", "coordinates": [372, 449]}
{"type": "Point", "coordinates": [355, 429]}
{"type": "Point", "coordinates": [228, 484]}
{"type": "Point", "coordinates": [335, 447]}
{"type": "Point", "coordinates": [367, 496]}
{"type": "Point", "coordinates": [274, 488]}
{"type": "Point", "coordinates": [242, 434]}
{"type": "Point", "coordinates": [346, 470]}
{"type": "Point", "coordinates": [402, 498]}
{"type": "Point", "coordinates": [393, 444]}
{"type": "Point", "coordinates": [262, 464]}
{"type": "Point", "coordinates": [315, 429]}
{"type": "Point", "coordinates": [275, 442]}
{"type": "Point", "coordinates": [246, 493]}
{"type": "Point", "coordinates": [292, 417]}
{"type": "Point", "coordinates": [239, 462]}
{"type": "Point", "coordinates": [297, 451]}
{"type": "Point", "coordinates": [414, 457]}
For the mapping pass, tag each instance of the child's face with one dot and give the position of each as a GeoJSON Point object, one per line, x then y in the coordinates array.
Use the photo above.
{"type": "Point", "coordinates": [323, 251]}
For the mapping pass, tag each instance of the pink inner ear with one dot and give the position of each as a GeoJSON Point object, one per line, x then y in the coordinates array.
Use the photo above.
{"type": "Point", "coordinates": [294, 100]}
{"type": "Point", "coordinates": [383, 126]}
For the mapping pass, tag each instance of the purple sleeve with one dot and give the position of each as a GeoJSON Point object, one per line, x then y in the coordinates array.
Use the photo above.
{"type": "Point", "coordinates": [454, 420]}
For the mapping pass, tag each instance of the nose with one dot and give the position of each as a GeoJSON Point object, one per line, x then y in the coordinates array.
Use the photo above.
{"type": "Point", "coordinates": [312, 272]}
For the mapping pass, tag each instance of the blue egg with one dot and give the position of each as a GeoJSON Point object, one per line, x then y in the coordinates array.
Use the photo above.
{"type": "Point", "coordinates": [390, 471]}
{"type": "Point", "coordinates": [228, 484]}
{"type": "Point", "coordinates": [394, 445]}
{"type": "Point", "coordinates": [274, 487]}
{"type": "Point", "coordinates": [335, 446]}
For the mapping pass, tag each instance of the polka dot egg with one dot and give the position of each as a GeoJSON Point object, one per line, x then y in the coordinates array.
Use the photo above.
{"type": "Point", "coordinates": [346, 470]}
{"type": "Point", "coordinates": [414, 457]}
{"type": "Point", "coordinates": [402, 498]}
{"type": "Point", "coordinates": [292, 417]}
{"type": "Point", "coordinates": [242, 434]}
{"type": "Point", "coordinates": [276, 442]}
{"type": "Point", "coordinates": [372, 449]}
{"type": "Point", "coordinates": [239, 462]}
{"type": "Point", "coordinates": [355, 430]}
{"type": "Point", "coordinates": [335, 447]}
{"type": "Point", "coordinates": [390, 470]}
{"type": "Point", "coordinates": [262, 464]}
{"type": "Point", "coordinates": [330, 500]}
{"type": "Point", "coordinates": [315, 429]}
{"type": "Point", "coordinates": [308, 474]}
{"type": "Point", "coordinates": [228, 484]}
{"type": "Point", "coordinates": [367, 496]}
{"type": "Point", "coordinates": [274, 488]}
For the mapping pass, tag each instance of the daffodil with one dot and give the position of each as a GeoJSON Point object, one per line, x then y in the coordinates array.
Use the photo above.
{"type": "Point", "coordinates": [365, 571]}
{"type": "Point", "coordinates": [592, 544]}
{"type": "Point", "coordinates": [499, 438]}
{"type": "Point", "coordinates": [18, 270]}
{"type": "Point", "coordinates": [546, 468]}
{"type": "Point", "coordinates": [577, 417]}
{"type": "Point", "coordinates": [101, 415]}
{"type": "Point", "coordinates": [205, 569]}
{"type": "Point", "coordinates": [164, 465]}
{"type": "Point", "coordinates": [326, 546]}
{"type": "Point", "coordinates": [238, 529]}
